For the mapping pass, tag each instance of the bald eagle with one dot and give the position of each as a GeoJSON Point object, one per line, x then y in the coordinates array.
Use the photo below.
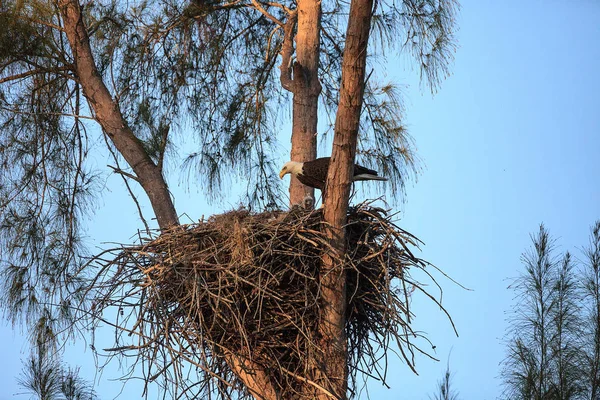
{"type": "Point", "coordinates": [314, 173]}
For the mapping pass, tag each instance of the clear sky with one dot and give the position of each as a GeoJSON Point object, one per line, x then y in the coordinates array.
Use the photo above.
{"type": "Point", "coordinates": [511, 140]}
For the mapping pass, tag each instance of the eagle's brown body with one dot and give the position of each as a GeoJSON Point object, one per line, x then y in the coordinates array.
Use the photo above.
{"type": "Point", "coordinates": [314, 173]}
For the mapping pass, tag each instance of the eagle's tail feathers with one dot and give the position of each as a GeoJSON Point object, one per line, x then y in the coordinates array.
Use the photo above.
{"type": "Point", "coordinates": [369, 177]}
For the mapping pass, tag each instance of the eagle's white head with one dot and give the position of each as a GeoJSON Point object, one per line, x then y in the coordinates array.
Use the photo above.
{"type": "Point", "coordinates": [291, 167]}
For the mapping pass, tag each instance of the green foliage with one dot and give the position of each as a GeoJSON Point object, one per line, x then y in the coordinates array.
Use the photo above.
{"type": "Point", "coordinates": [45, 185]}
{"type": "Point", "coordinates": [541, 331]}
{"type": "Point", "coordinates": [41, 377]}
{"type": "Point", "coordinates": [564, 346]}
{"type": "Point", "coordinates": [45, 378]}
{"type": "Point", "coordinates": [207, 66]}
{"type": "Point", "coordinates": [211, 66]}
{"type": "Point", "coordinates": [590, 311]}
{"type": "Point", "coordinates": [389, 148]}
{"type": "Point", "coordinates": [425, 30]}
{"type": "Point", "coordinates": [552, 344]}
{"type": "Point", "coordinates": [444, 390]}
{"type": "Point", "coordinates": [429, 36]}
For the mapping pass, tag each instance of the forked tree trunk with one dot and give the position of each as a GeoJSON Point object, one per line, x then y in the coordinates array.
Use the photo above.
{"type": "Point", "coordinates": [333, 277]}
{"type": "Point", "coordinates": [305, 87]}
{"type": "Point", "coordinates": [149, 176]}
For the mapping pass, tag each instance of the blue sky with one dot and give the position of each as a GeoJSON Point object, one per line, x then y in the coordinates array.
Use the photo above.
{"type": "Point", "coordinates": [511, 140]}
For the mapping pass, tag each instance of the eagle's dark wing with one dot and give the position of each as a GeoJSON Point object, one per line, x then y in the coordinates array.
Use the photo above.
{"type": "Point", "coordinates": [311, 181]}
{"type": "Point", "coordinates": [314, 173]}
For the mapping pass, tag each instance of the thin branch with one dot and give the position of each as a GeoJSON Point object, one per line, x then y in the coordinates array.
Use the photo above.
{"type": "Point", "coordinates": [121, 172]}
{"type": "Point", "coordinates": [123, 175]}
{"type": "Point", "coordinates": [262, 10]}
{"type": "Point", "coordinates": [40, 22]}
{"type": "Point", "coordinates": [30, 73]}
{"type": "Point", "coordinates": [16, 111]}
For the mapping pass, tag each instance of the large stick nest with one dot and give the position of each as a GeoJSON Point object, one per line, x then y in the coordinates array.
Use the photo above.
{"type": "Point", "coordinates": [248, 285]}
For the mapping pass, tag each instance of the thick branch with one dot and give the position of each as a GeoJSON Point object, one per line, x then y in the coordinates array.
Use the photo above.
{"type": "Point", "coordinates": [338, 192]}
{"type": "Point", "coordinates": [254, 377]}
{"type": "Point", "coordinates": [110, 118]}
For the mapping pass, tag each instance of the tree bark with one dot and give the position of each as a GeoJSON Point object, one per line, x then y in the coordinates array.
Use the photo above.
{"type": "Point", "coordinates": [110, 118]}
{"type": "Point", "coordinates": [255, 378]}
{"type": "Point", "coordinates": [338, 183]}
{"type": "Point", "coordinates": [306, 88]}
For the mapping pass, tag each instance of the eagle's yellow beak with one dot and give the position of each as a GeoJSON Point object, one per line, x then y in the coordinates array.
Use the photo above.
{"type": "Point", "coordinates": [283, 172]}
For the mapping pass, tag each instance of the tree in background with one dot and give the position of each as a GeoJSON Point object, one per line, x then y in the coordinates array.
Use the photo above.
{"type": "Point", "coordinates": [44, 375]}
{"type": "Point", "coordinates": [46, 379]}
{"type": "Point", "coordinates": [565, 351]}
{"type": "Point", "coordinates": [553, 336]}
{"type": "Point", "coordinates": [444, 390]}
{"type": "Point", "coordinates": [590, 287]}
{"type": "Point", "coordinates": [527, 368]}
{"type": "Point", "coordinates": [143, 72]}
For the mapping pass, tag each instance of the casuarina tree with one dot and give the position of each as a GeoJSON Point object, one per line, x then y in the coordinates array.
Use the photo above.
{"type": "Point", "coordinates": [147, 74]}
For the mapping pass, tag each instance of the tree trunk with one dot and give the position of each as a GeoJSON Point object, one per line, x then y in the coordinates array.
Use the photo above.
{"type": "Point", "coordinates": [306, 88]}
{"type": "Point", "coordinates": [110, 118]}
{"type": "Point", "coordinates": [338, 183]}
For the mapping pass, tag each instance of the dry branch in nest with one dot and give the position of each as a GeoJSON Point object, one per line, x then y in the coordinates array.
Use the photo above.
{"type": "Point", "coordinates": [248, 284]}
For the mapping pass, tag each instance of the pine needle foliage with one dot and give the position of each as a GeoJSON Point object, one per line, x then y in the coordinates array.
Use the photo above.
{"type": "Point", "coordinates": [44, 375]}
{"type": "Point", "coordinates": [423, 30]}
{"type": "Point", "coordinates": [590, 288]}
{"type": "Point", "coordinates": [46, 187]}
{"type": "Point", "coordinates": [444, 389]}
{"type": "Point", "coordinates": [45, 378]}
{"type": "Point", "coordinates": [552, 344]}
{"type": "Point", "coordinates": [528, 367]}
{"type": "Point", "coordinates": [212, 66]}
